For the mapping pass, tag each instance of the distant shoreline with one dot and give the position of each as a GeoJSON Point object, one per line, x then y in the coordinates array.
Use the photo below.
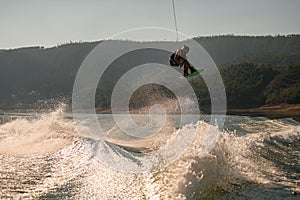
{"type": "Point", "coordinates": [269, 111]}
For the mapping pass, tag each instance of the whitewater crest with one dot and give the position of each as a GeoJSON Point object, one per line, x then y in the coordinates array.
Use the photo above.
{"type": "Point", "coordinates": [46, 133]}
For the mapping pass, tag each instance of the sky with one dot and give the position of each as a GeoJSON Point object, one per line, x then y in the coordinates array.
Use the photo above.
{"type": "Point", "coordinates": [54, 22]}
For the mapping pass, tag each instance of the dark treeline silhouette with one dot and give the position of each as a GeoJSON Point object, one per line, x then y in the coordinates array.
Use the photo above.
{"type": "Point", "coordinates": [256, 70]}
{"type": "Point", "coordinates": [274, 50]}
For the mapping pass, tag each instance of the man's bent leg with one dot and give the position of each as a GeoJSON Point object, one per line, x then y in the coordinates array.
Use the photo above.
{"type": "Point", "coordinates": [186, 68]}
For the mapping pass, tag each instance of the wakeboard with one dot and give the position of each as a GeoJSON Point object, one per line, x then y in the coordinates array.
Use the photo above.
{"type": "Point", "coordinates": [195, 73]}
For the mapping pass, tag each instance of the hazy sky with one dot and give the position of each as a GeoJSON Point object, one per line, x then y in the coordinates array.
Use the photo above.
{"type": "Point", "coordinates": [51, 22]}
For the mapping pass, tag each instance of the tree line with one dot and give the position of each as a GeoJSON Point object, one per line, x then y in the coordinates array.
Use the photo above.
{"type": "Point", "coordinates": [256, 70]}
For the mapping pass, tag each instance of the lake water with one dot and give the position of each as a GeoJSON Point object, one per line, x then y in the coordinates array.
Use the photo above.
{"type": "Point", "coordinates": [45, 157]}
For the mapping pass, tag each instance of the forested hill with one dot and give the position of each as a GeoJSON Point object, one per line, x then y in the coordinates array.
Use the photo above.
{"type": "Point", "coordinates": [229, 49]}
{"type": "Point", "coordinates": [30, 75]}
{"type": "Point", "coordinates": [46, 72]}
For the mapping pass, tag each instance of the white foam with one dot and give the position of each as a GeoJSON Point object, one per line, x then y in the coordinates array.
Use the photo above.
{"type": "Point", "coordinates": [47, 133]}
